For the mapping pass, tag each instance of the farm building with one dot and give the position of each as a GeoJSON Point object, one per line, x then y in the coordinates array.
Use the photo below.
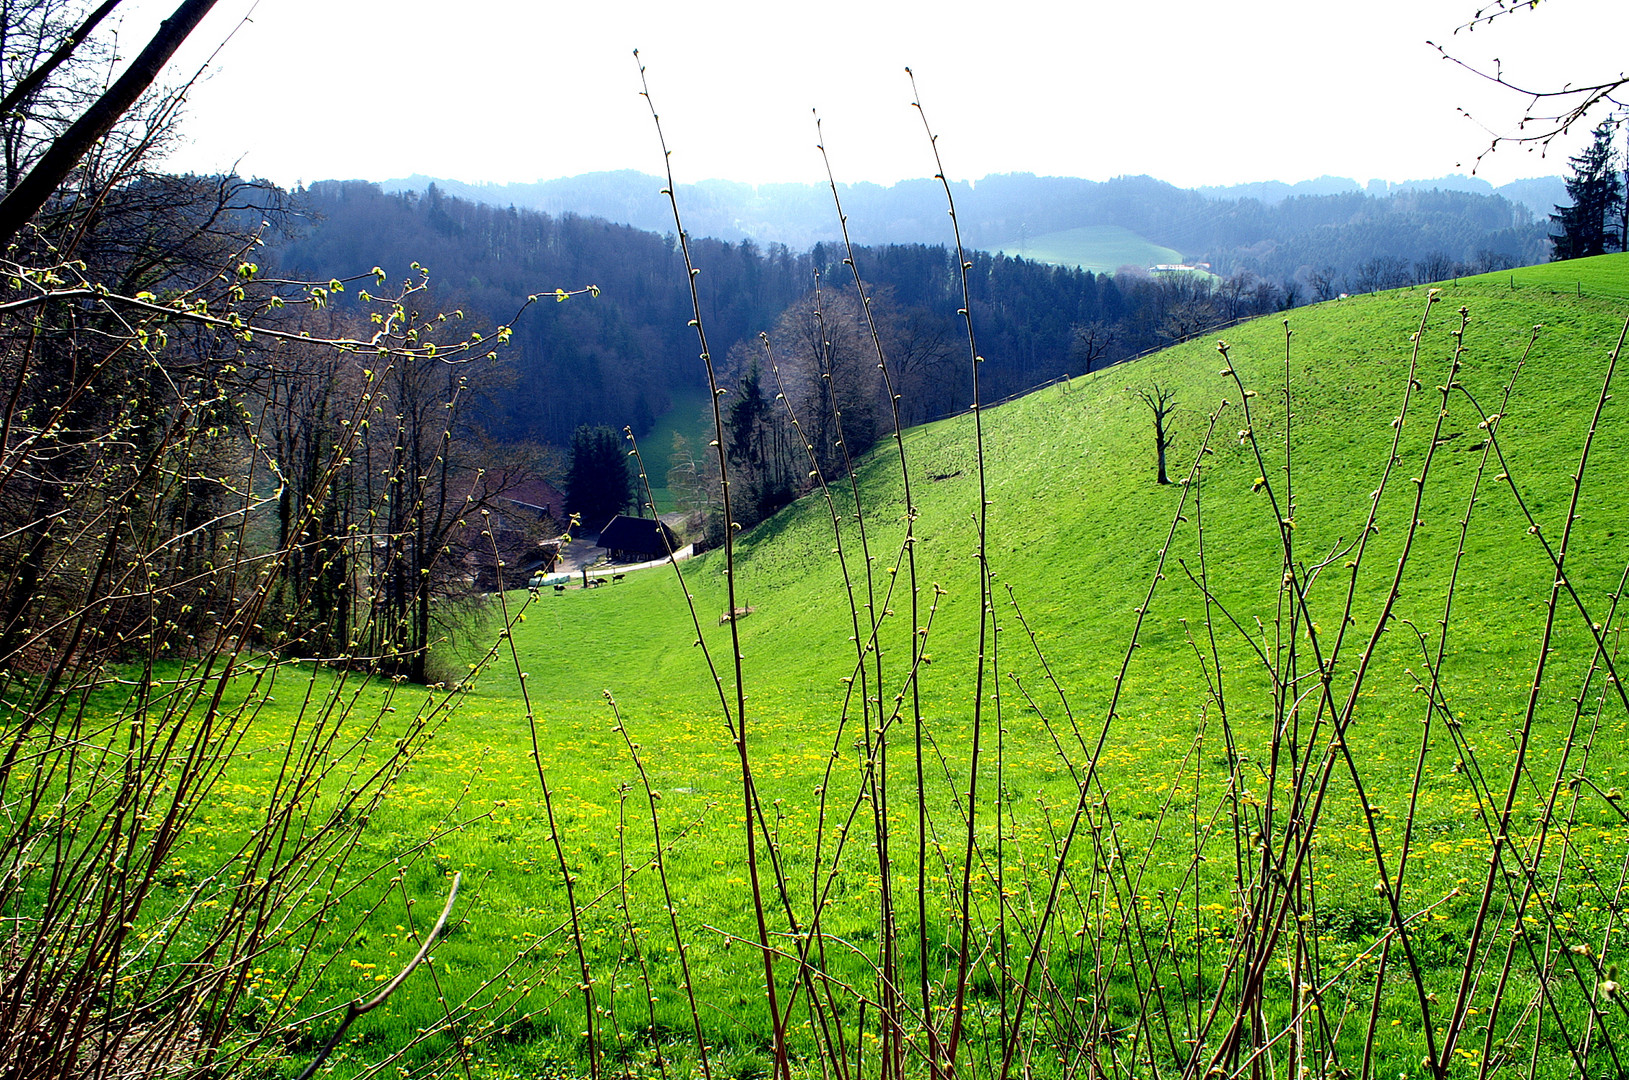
{"type": "Point", "coordinates": [636, 539]}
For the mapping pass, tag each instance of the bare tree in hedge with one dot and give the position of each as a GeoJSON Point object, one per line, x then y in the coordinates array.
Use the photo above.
{"type": "Point", "coordinates": [1090, 342]}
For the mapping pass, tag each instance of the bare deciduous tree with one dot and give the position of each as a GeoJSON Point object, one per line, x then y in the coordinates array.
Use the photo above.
{"type": "Point", "coordinates": [1090, 343]}
{"type": "Point", "coordinates": [1161, 400]}
{"type": "Point", "coordinates": [67, 150]}
{"type": "Point", "coordinates": [830, 370]}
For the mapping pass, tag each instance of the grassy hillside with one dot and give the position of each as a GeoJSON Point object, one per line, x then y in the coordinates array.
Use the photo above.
{"type": "Point", "coordinates": [1220, 727]}
{"type": "Point", "coordinates": [684, 417]}
{"type": "Point", "coordinates": [1098, 248]}
{"type": "Point", "coordinates": [1076, 518]}
{"type": "Point", "coordinates": [1602, 277]}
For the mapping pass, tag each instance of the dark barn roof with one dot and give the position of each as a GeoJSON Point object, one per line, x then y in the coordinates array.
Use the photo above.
{"type": "Point", "coordinates": [646, 537]}
{"type": "Point", "coordinates": [538, 496]}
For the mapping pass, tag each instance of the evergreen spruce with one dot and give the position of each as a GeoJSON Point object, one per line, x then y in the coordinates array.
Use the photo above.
{"type": "Point", "coordinates": [1591, 226]}
{"type": "Point", "coordinates": [599, 486]}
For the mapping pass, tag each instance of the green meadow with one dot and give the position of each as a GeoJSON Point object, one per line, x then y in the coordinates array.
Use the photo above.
{"type": "Point", "coordinates": [1102, 249]}
{"type": "Point", "coordinates": [1149, 686]}
{"type": "Point", "coordinates": [685, 418]}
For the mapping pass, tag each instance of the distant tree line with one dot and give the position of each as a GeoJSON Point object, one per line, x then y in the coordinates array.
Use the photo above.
{"type": "Point", "coordinates": [619, 360]}
{"type": "Point", "coordinates": [1274, 238]}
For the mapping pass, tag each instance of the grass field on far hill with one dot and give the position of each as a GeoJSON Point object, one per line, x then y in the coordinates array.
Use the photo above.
{"type": "Point", "coordinates": [1246, 794]}
{"type": "Point", "coordinates": [684, 417]}
{"type": "Point", "coordinates": [1101, 249]}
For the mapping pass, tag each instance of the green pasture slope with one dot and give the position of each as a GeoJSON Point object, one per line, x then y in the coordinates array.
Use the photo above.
{"type": "Point", "coordinates": [685, 418]}
{"type": "Point", "coordinates": [1075, 537]}
{"type": "Point", "coordinates": [1101, 249]}
{"type": "Point", "coordinates": [1603, 277]}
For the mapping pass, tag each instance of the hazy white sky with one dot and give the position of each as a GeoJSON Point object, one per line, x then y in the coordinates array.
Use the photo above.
{"type": "Point", "coordinates": [1190, 91]}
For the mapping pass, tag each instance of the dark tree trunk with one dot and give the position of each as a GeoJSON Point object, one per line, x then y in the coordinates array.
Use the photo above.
{"type": "Point", "coordinates": [1160, 401]}
{"type": "Point", "coordinates": [24, 201]}
{"type": "Point", "coordinates": [35, 79]}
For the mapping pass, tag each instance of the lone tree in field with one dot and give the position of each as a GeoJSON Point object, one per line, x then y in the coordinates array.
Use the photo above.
{"type": "Point", "coordinates": [1590, 226]}
{"type": "Point", "coordinates": [598, 487]}
{"type": "Point", "coordinates": [1161, 400]}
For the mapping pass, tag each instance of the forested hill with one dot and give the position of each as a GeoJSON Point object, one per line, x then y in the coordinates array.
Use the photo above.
{"type": "Point", "coordinates": [1539, 194]}
{"type": "Point", "coordinates": [1275, 231]}
{"type": "Point", "coordinates": [622, 358]}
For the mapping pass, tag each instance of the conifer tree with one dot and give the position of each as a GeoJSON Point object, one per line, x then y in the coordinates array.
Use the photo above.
{"type": "Point", "coordinates": [1590, 226]}
{"type": "Point", "coordinates": [598, 487]}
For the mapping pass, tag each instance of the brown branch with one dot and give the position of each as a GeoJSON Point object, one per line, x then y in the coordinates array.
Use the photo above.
{"type": "Point", "coordinates": [1578, 101]}
{"type": "Point", "coordinates": [359, 1008]}
{"type": "Point", "coordinates": [25, 200]}
{"type": "Point", "coordinates": [34, 79]}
